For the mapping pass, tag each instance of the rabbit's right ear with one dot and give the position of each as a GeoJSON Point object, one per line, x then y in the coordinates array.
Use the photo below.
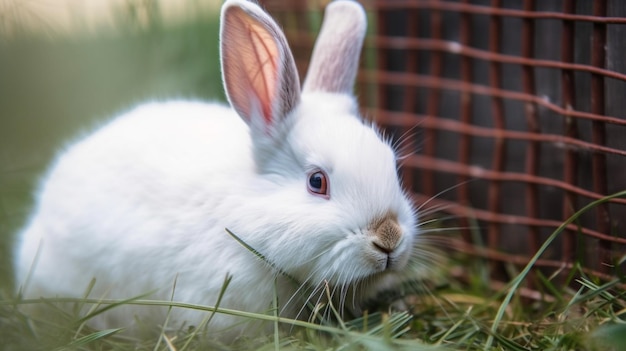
{"type": "Point", "coordinates": [335, 59]}
{"type": "Point", "coordinates": [258, 69]}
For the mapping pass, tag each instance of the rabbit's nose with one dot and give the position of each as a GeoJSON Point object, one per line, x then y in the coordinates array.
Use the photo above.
{"type": "Point", "coordinates": [386, 234]}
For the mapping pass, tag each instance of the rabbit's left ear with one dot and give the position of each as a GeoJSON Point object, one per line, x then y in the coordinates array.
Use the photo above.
{"type": "Point", "coordinates": [335, 60]}
{"type": "Point", "coordinates": [258, 69]}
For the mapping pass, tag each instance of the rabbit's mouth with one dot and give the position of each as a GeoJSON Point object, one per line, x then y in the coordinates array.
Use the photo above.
{"type": "Point", "coordinates": [396, 261]}
{"type": "Point", "coordinates": [387, 261]}
{"type": "Point", "coordinates": [387, 251]}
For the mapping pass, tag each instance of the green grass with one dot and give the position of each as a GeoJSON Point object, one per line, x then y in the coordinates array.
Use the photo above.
{"type": "Point", "coordinates": [446, 313]}
{"type": "Point", "coordinates": [453, 318]}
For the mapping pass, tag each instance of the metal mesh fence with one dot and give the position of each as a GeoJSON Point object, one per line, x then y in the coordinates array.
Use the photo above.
{"type": "Point", "coordinates": [513, 115]}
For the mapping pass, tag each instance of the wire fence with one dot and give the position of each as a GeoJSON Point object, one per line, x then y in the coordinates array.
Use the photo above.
{"type": "Point", "coordinates": [514, 114]}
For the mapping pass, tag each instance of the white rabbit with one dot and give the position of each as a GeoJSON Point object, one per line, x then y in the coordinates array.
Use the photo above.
{"type": "Point", "coordinates": [145, 200]}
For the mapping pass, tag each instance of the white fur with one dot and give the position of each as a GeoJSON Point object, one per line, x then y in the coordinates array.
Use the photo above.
{"type": "Point", "coordinates": [145, 201]}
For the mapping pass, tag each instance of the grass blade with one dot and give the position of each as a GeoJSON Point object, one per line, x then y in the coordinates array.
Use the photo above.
{"type": "Point", "coordinates": [262, 257]}
{"type": "Point", "coordinates": [89, 339]}
{"type": "Point", "coordinates": [515, 283]}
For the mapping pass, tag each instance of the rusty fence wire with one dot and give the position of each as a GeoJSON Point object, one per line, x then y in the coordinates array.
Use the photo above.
{"type": "Point", "coordinates": [513, 114]}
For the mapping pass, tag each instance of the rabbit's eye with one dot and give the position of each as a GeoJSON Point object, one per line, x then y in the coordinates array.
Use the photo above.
{"type": "Point", "coordinates": [318, 183]}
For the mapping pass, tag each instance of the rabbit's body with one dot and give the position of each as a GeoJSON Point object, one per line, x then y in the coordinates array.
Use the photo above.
{"type": "Point", "coordinates": [138, 210]}
{"type": "Point", "coordinates": [143, 203]}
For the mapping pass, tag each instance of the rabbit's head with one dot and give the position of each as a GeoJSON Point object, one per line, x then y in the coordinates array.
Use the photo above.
{"type": "Point", "coordinates": [335, 210]}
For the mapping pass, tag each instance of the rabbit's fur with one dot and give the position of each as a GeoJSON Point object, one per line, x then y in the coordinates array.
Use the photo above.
{"type": "Point", "coordinates": [144, 201]}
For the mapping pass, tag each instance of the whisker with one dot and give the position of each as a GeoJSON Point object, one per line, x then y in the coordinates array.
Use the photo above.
{"type": "Point", "coordinates": [429, 211]}
{"type": "Point", "coordinates": [317, 296]}
{"type": "Point", "coordinates": [405, 141]}
{"type": "Point", "coordinates": [306, 283]}
{"type": "Point", "coordinates": [407, 135]}
{"type": "Point", "coordinates": [361, 286]}
{"type": "Point", "coordinates": [300, 290]}
{"type": "Point", "coordinates": [355, 288]}
{"type": "Point", "coordinates": [447, 229]}
{"type": "Point", "coordinates": [404, 149]}
{"type": "Point", "coordinates": [307, 302]}
{"type": "Point", "coordinates": [435, 220]}
{"type": "Point", "coordinates": [420, 207]}
{"type": "Point", "coordinates": [426, 258]}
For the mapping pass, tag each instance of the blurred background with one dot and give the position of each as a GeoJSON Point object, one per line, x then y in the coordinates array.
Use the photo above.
{"type": "Point", "coordinates": [68, 65]}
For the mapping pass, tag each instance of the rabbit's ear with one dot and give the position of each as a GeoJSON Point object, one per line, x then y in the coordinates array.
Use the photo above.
{"type": "Point", "coordinates": [258, 69]}
{"type": "Point", "coordinates": [335, 60]}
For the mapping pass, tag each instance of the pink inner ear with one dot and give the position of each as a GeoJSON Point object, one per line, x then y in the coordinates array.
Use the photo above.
{"type": "Point", "coordinates": [251, 60]}
{"type": "Point", "coordinates": [264, 80]}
